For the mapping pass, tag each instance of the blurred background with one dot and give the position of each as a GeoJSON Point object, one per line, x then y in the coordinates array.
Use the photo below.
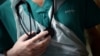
{"type": "Point", "coordinates": [97, 27]}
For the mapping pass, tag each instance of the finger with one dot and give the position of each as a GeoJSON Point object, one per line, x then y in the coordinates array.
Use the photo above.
{"type": "Point", "coordinates": [41, 46]}
{"type": "Point", "coordinates": [25, 36]}
{"type": "Point", "coordinates": [44, 42]}
{"type": "Point", "coordinates": [41, 50]}
{"type": "Point", "coordinates": [38, 36]}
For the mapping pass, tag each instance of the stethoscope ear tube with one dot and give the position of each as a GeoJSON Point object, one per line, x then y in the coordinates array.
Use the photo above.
{"type": "Point", "coordinates": [49, 29]}
{"type": "Point", "coordinates": [19, 16]}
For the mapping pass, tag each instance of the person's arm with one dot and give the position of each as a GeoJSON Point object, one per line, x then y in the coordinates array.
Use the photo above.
{"type": "Point", "coordinates": [94, 37]}
{"type": "Point", "coordinates": [35, 46]}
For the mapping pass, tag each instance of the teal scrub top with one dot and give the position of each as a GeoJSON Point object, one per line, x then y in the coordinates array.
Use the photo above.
{"type": "Point", "coordinates": [76, 15]}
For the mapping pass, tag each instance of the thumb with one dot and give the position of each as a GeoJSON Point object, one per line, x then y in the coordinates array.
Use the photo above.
{"type": "Point", "coordinates": [23, 37]}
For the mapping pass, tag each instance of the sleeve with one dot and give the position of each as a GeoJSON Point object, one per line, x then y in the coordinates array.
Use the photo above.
{"type": "Point", "coordinates": [5, 40]}
{"type": "Point", "coordinates": [92, 14]}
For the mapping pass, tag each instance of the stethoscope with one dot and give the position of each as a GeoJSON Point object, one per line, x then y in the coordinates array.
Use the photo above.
{"type": "Point", "coordinates": [49, 29]}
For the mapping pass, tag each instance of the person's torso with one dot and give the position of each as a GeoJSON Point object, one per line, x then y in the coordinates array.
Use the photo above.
{"type": "Point", "coordinates": [66, 18]}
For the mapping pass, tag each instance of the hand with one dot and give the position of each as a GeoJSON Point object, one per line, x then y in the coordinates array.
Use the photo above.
{"type": "Point", "coordinates": [35, 46]}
